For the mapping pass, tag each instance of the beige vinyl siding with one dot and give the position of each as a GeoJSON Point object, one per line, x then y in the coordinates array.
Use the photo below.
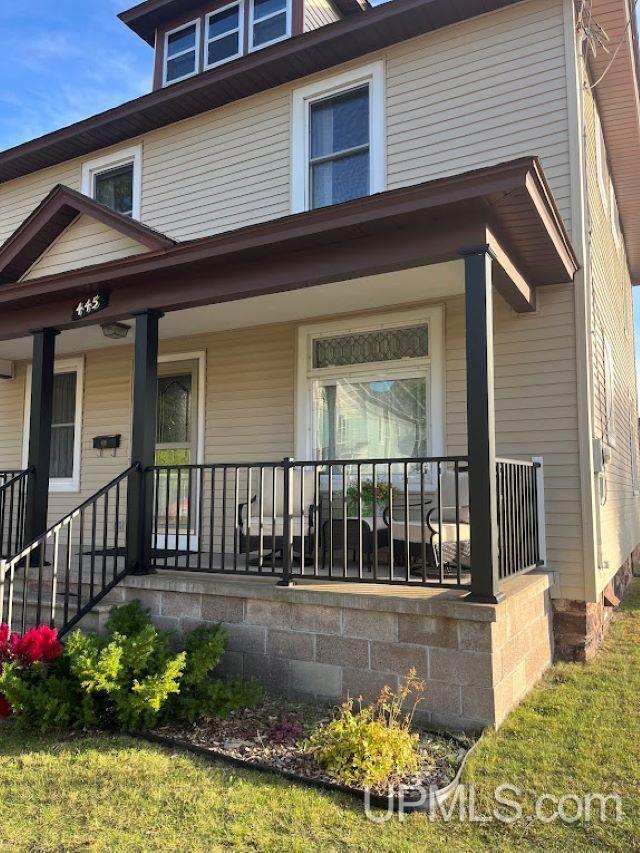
{"type": "Point", "coordinates": [84, 242]}
{"type": "Point", "coordinates": [318, 13]}
{"type": "Point", "coordinates": [11, 419]}
{"type": "Point", "coordinates": [481, 92]}
{"type": "Point", "coordinates": [536, 411]}
{"type": "Point", "coordinates": [619, 511]}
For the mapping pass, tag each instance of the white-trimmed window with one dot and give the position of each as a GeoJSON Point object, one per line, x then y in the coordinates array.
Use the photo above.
{"type": "Point", "coordinates": [224, 34]}
{"type": "Point", "coordinates": [615, 218]}
{"type": "Point", "coordinates": [609, 393]}
{"type": "Point", "coordinates": [182, 52]}
{"type": "Point", "coordinates": [601, 160]}
{"type": "Point", "coordinates": [633, 446]}
{"type": "Point", "coordinates": [66, 425]}
{"type": "Point", "coordinates": [269, 22]}
{"type": "Point", "coordinates": [371, 388]}
{"type": "Point", "coordinates": [339, 139]}
{"type": "Point", "coordinates": [116, 180]}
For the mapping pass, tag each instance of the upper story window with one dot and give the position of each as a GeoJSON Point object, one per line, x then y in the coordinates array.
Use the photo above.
{"type": "Point", "coordinates": [224, 34]}
{"type": "Point", "coordinates": [338, 139]}
{"type": "Point", "coordinates": [270, 21]}
{"type": "Point", "coordinates": [115, 180]}
{"type": "Point", "coordinates": [182, 52]}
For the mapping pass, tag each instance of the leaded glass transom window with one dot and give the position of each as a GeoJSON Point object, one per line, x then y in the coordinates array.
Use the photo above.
{"type": "Point", "coordinates": [371, 347]}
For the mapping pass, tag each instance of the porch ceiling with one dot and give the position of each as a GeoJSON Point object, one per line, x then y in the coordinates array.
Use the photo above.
{"type": "Point", "coordinates": [508, 207]}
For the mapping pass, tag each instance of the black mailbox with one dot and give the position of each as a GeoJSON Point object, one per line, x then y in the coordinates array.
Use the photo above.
{"type": "Point", "coordinates": [106, 442]}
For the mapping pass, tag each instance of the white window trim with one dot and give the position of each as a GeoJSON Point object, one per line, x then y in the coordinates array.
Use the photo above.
{"type": "Point", "coordinates": [601, 161]}
{"type": "Point", "coordinates": [615, 217]}
{"type": "Point", "coordinates": [125, 157]}
{"type": "Point", "coordinates": [633, 447]}
{"type": "Point", "coordinates": [609, 393]}
{"type": "Point", "coordinates": [70, 365]}
{"type": "Point", "coordinates": [166, 57]}
{"type": "Point", "coordinates": [287, 34]}
{"type": "Point", "coordinates": [239, 30]}
{"type": "Point", "coordinates": [306, 375]}
{"type": "Point", "coordinates": [371, 74]}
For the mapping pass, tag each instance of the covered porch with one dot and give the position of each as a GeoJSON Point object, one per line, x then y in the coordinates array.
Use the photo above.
{"type": "Point", "coordinates": [431, 512]}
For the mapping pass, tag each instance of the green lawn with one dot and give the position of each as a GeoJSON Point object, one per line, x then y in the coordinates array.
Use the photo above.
{"type": "Point", "coordinates": [578, 733]}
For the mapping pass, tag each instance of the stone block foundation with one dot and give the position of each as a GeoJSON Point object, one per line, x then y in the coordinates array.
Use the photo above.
{"type": "Point", "coordinates": [580, 626]}
{"type": "Point", "coordinates": [326, 641]}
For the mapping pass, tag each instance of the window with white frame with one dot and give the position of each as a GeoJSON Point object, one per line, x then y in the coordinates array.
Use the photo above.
{"type": "Point", "coordinates": [269, 22]}
{"type": "Point", "coordinates": [115, 180]}
{"type": "Point", "coordinates": [615, 218]}
{"type": "Point", "coordinates": [601, 159]}
{"type": "Point", "coordinates": [633, 446]}
{"type": "Point", "coordinates": [609, 393]}
{"type": "Point", "coordinates": [338, 139]}
{"type": "Point", "coordinates": [371, 389]}
{"type": "Point", "coordinates": [66, 425]}
{"type": "Point", "coordinates": [182, 52]}
{"type": "Point", "coordinates": [224, 34]}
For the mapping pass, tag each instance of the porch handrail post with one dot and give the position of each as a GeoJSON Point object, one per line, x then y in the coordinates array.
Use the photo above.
{"type": "Point", "coordinates": [143, 444]}
{"type": "Point", "coordinates": [483, 502]}
{"type": "Point", "coordinates": [41, 416]}
{"type": "Point", "coordinates": [287, 507]}
{"type": "Point", "coordinates": [542, 521]}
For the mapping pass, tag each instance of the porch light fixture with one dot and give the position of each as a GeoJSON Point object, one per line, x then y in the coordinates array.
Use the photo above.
{"type": "Point", "coordinates": [115, 331]}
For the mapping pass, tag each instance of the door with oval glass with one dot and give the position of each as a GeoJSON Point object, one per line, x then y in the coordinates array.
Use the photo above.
{"type": "Point", "coordinates": [177, 445]}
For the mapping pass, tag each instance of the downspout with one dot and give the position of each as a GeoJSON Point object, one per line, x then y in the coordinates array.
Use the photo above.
{"type": "Point", "coordinates": [583, 302]}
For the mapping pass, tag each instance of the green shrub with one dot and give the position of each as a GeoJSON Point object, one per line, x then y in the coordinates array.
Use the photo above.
{"type": "Point", "coordinates": [202, 695]}
{"type": "Point", "coordinates": [128, 679]}
{"type": "Point", "coordinates": [372, 747]}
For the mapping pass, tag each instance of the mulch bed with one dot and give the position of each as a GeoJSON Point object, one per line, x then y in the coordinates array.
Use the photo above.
{"type": "Point", "coordinates": [253, 736]}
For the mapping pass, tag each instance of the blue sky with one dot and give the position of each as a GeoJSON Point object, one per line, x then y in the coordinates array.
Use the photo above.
{"type": "Point", "coordinates": [64, 60]}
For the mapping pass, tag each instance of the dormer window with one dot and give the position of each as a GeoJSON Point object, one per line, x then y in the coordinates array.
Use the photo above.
{"type": "Point", "coordinates": [270, 22]}
{"type": "Point", "coordinates": [181, 51]}
{"type": "Point", "coordinates": [224, 34]}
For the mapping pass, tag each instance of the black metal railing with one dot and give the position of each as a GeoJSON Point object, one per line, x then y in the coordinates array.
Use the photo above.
{"type": "Point", "coordinates": [373, 520]}
{"type": "Point", "coordinates": [13, 499]}
{"type": "Point", "coordinates": [66, 572]}
{"type": "Point", "coordinates": [518, 516]}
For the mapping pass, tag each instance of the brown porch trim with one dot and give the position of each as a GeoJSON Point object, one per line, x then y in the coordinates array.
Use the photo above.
{"type": "Point", "coordinates": [52, 216]}
{"type": "Point", "coordinates": [420, 225]}
{"type": "Point", "coordinates": [292, 59]}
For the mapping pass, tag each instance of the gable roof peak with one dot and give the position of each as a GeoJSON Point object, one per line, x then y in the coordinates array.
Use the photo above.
{"type": "Point", "coordinates": [52, 216]}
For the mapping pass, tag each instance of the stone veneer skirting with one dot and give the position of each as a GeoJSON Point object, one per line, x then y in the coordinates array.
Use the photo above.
{"type": "Point", "coordinates": [324, 641]}
{"type": "Point", "coordinates": [580, 626]}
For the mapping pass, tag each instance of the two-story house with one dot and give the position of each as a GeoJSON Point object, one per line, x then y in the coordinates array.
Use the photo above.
{"type": "Point", "coordinates": [329, 337]}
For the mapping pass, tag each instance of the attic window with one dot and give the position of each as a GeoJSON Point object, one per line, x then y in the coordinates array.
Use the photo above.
{"type": "Point", "coordinates": [224, 34]}
{"type": "Point", "coordinates": [270, 22]}
{"type": "Point", "coordinates": [181, 52]}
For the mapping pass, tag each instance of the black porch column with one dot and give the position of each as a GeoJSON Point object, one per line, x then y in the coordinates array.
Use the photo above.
{"type": "Point", "coordinates": [143, 443]}
{"type": "Point", "coordinates": [39, 462]}
{"type": "Point", "coordinates": [481, 425]}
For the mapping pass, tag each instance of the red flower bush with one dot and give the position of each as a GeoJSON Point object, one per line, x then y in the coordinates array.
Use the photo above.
{"type": "Point", "coordinates": [39, 645]}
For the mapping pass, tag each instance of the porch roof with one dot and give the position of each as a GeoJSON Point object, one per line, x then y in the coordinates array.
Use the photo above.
{"type": "Point", "coordinates": [508, 207]}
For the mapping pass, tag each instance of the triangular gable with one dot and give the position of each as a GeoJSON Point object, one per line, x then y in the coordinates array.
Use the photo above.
{"type": "Point", "coordinates": [53, 216]}
{"type": "Point", "coordinates": [85, 242]}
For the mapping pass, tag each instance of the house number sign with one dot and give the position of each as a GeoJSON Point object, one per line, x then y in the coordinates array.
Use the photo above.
{"type": "Point", "coordinates": [90, 306]}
